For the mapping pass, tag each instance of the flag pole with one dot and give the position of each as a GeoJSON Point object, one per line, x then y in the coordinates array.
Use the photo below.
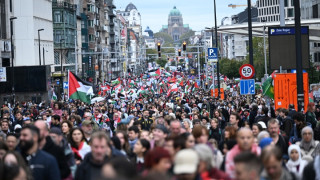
{"type": "Point", "coordinates": [68, 83]}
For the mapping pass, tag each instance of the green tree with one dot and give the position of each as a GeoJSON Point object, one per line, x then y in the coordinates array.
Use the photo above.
{"type": "Point", "coordinates": [258, 57]}
{"type": "Point", "coordinates": [166, 37]}
{"type": "Point", "coordinates": [161, 62]}
{"type": "Point", "coordinates": [313, 73]}
{"type": "Point", "coordinates": [230, 68]}
{"type": "Point", "coordinates": [186, 36]}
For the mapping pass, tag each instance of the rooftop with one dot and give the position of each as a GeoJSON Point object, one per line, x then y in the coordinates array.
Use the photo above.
{"type": "Point", "coordinates": [174, 12]}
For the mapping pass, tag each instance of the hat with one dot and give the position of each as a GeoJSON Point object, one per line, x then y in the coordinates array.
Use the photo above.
{"type": "Point", "coordinates": [17, 126]}
{"type": "Point", "coordinates": [86, 122]}
{"type": "Point", "coordinates": [56, 131]}
{"type": "Point", "coordinates": [162, 128]}
{"type": "Point", "coordinates": [263, 125]}
{"type": "Point", "coordinates": [186, 162]}
{"type": "Point", "coordinates": [265, 142]}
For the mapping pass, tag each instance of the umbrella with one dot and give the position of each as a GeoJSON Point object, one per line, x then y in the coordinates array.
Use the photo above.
{"type": "Point", "coordinates": [96, 99]}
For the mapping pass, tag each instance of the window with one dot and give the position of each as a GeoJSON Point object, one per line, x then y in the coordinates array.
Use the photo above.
{"type": "Point", "coordinates": [290, 12]}
{"type": "Point", "coordinates": [83, 39]}
{"type": "Point", "coordinates": [91, 38]}
{"type": "Point", "coordinates": [316, 58]}
{"type": "Point", "coordinates": [82, 24]}
{"type": "Point", "coordinates": [90, 23]}
{"type": "Point", "coordinates": [315, 11]}
{"type": "Point", "coordinates": [286, 3]}
{"type": "Point", "coordinates": [58, 34]}
{"type": "Point", "coordinates": [57, 17]}
{"type": "Point", "coordinates": [91, 8]}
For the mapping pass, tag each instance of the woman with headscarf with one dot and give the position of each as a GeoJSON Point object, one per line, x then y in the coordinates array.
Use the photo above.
{"type": "Point", "coordinates": [307, 144]}
{"type": "Point", "coordinates": [296, 164]}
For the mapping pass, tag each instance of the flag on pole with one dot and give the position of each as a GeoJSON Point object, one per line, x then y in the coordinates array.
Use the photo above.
{"type": "Point", "coordinates": [267, 88]}
{"type": "Point", "coordinates": [54, 96]}
{"type": "Point", "coordinates": [115, 82]}
{"type": "Point", "coordinates": [79, 89]}
{"type": "Point", "coordinates": [155, 73]}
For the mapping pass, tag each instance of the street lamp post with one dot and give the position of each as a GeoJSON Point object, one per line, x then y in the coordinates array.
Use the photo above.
{"type": "Point", "coordinates": [12, 58]}
{"type": "Point", "coordinates": [216, 34]}
{"type": "Point", "coordinates": [61, 54]}
{"type": "Point", "coordinates": [61, 65]}
{"type": "Point", "coordinates": [39, 45]}
{"type": "Point", "coordinates": [44, 60]}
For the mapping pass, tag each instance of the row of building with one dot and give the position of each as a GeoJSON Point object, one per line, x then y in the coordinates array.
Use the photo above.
{"type": "Point", "coordinates": [234, 46]}
{"type": "Point", "coordinates": [88, 37]}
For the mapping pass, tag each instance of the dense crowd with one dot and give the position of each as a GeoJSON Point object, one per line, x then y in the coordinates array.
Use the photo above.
{"type": "Point", "coordinates": [159, 136]}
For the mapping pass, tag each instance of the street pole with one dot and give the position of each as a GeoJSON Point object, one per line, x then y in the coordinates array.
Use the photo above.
{"type": "Point", "coordinates": [83, 71]}
{"type": "Point", "coordinates": [250, 33]}
{"type": "Point", "coordinates": [44, 60]}
{"type": "Point", "coordinates": [61, 66]}
{"type": "Point", "coordinates": [76, 54]}
{"type": "Point", "coordinates": [216, 34]}
{"type": "Point", "coordinates": [12, 59]}
{"type": "Point", "coordinates": [264, 51]}
{"type": "Point", "coordinates": [298, 55]}
{"type": "Point", "coordinates": [39, 45]}
{"type": "Point", "coordinates": [199, 65]}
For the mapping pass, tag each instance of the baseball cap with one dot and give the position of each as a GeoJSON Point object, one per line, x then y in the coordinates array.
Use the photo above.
{"type": "Point", "coordinates": [263, 125]}
{"type": "Point", "coordinates": [162, 128]}
{"type": "Point", "coordinates": [56, 130]}
{"type": "Point", "coordinates": [186, 162]}
{"type": "Point", "coordinates": [86, 122]}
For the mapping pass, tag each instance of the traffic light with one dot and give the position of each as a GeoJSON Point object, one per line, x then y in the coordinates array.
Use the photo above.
{"type": "Point", "coordinates": [184, 45]}
{"type": "Point", "coordinates": [179, 52]}
{"type": "Point", "coordinates": [159, 54]}
{"type": "Point", "coordinates": [159, 47]}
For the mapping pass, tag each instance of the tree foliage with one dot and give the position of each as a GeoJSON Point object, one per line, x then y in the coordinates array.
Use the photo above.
{"type": "Point", "coordinates": [166, 37]}
{"type": "Point", "coordinates": [230, 68]}
{"type": "Point", "coordinates": [314, 75]}
{"type": "Point", "coordinates": [161, 62]}
{"type": "Point", "coordinates": [258, 57]}
{"type": "Point", "coordinates": [186, 36]}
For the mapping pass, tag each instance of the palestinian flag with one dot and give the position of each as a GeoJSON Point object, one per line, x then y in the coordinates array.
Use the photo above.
{"type": "Point", "coordinates": [181, 83]}
{"type": "Point", "coordinates": [155, 73]}
{"type": "Point", "coordinates": [131, 83]}
{"type": "Point", "coordinates": [54, 96]}
{"type": "Point", "coordinates": [196, 85]}
{"type": "Point", "coordinates": [173, 88]}
{"type": "Point", "coordinates": [116, 81]}
{"type": "Point", "coordinates": [79, 89]}
{"type": "Point", "coordinates": [267, 88]}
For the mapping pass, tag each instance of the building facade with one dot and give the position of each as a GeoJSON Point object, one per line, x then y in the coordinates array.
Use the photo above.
{"type": "Point", "coordinates": [175, 27]}
{"type": "Point", "coordinates": [269, 10]}
{"type": "Point", "coordinates": [31, 16]}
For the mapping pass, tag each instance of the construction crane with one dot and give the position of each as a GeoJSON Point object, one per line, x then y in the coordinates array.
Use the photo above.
{"type": "Point", "coordinates": [234, 5]}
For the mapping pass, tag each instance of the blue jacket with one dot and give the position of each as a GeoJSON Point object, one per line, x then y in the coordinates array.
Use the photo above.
{"type": "Point", "coordinates": [43, 166]}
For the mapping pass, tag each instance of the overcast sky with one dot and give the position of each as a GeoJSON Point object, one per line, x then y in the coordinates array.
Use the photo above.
{"type": "Point", "coordinates": [197, 13]}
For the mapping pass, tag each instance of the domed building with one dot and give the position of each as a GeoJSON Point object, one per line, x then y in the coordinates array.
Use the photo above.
{"type": "Point", "coordinates": [175, 27]}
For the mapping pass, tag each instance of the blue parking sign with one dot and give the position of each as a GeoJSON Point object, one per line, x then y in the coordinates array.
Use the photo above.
{"type": "Point", "coordinates": [247, 87]}
{"type": "Point", "coordinates": [65, 85]}
{"type": "Point", "coordinates": [212, 54]}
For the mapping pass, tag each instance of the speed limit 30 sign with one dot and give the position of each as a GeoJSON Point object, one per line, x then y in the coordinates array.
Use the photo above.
{"type": "Point", "coordinates": [246, 71]}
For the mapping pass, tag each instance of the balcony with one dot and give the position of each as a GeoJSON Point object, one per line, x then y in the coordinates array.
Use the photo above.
{"type": "Point", "coordinates": [63, 4]}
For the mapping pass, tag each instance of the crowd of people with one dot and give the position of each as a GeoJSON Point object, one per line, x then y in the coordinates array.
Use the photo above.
{"type": "Point", "coordinates": [182, 136]}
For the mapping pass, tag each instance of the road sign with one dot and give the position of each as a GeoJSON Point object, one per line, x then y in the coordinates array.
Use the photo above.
{"type": "Point", "coordinates": [65, 85]}
{"type": "Point", "coordinates": [246, 71]}
{"type": "Point", "coordinates": [3, 74]}
{"type": "Point", "coordinates": [247, 86]}
{"type": "Point", "coordinates": [212, 54]}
